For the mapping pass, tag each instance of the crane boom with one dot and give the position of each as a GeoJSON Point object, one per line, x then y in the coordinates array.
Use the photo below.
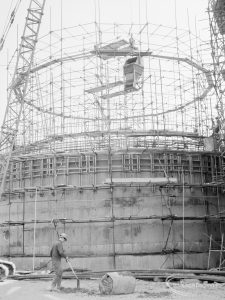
{"type": "Point", "coordinates": [18, 86]}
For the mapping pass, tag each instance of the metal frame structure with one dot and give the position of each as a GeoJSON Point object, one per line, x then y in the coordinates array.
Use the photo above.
{"type": "Point", "coordinates": [65, 111]}
{"type": "Point", "coordinates": [18, 88]}
{"type": "Point", "coordinates": [90, 135]}
{"type": "Point", "coordinates": [216, 11]}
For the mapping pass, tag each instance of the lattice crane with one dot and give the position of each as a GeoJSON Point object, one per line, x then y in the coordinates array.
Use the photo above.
{"type": "Point", "coordinates": [18, 87]}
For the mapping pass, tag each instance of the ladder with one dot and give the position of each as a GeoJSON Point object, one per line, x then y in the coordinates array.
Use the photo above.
{"type": "Point", "coordinates": [18, 87]}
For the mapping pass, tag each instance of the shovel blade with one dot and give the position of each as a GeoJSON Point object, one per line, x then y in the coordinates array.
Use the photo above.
{"type": "Point", "coordinates": [78, 283]}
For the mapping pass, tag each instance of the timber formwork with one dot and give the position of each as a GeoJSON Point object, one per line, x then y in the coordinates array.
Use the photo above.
{"type": "Point", "coordinates": [126, 209]}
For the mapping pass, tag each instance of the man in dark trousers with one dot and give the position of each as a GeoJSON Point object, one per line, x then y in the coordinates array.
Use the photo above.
{"type": "Point", "coordinates": [57, 252]}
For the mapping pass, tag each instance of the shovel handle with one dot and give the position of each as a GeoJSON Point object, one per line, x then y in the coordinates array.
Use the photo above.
{"type": "Point", "coordinates": [72, 269]}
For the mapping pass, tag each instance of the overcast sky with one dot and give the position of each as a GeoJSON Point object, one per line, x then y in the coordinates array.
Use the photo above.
{"type": "Point", "coordinates": [111, 11]}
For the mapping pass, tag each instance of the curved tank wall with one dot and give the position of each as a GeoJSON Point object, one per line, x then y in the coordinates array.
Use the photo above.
{"type": "Point", "coordinates": [130, 209]}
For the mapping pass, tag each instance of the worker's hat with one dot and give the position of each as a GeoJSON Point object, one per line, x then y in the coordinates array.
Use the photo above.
{"type": "Point", "coordinates": [63, 235]}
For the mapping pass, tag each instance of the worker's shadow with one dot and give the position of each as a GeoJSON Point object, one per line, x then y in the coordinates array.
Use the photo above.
{"type": "Point", "coordinates": [68, 290]}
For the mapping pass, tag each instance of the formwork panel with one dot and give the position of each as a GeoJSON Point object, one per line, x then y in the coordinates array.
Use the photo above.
{"type": "Point", "coordinates": [16, 209]}
{"type": "Point", "coordinates": [16, 240]}
{"type": "Point", "coordinates": [147, 201]}
{"type": "Point", "coordinates": [5, 240]}
{"type": "Point", "coordinates": [39, 237]}
{"type": "Point", "coordinates": [93, 239]}
{"type": "Point", "coordinates": [174, 261]}
{"type": "Point", "coordinates": [4, 211]}
{"type": "Point", "coordinates": [150, 236]}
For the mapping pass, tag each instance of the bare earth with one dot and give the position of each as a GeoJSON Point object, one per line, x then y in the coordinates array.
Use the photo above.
{"type": "Point", "coordinates": [39, 290]}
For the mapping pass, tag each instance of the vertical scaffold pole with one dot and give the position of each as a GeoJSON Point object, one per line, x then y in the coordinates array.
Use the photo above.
{"type": "Point", "coordinates": [35, 224]}
{"type": "Point", "coordinates": [210, 246]}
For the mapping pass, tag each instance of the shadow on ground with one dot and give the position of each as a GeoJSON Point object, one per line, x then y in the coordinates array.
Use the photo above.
{"type": "Point", "coordinates": [154, 295]}
{"type": "Point", "coordinates": [68, 290]}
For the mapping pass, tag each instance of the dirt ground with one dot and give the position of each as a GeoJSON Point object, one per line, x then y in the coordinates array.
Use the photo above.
{"type": "Point", "coordinates": [39, 290]}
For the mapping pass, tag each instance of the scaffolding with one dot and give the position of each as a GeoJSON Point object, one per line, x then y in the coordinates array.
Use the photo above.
{"type": "Point", "coordinates": [117, 110]}
{"type": "Point", "coordinates": [78, 94]}
{"type": "Point", "coordinates": [216, 11]}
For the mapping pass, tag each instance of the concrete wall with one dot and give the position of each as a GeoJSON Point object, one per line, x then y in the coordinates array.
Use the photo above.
{"type": "Point", "coordinates": [122, 225]}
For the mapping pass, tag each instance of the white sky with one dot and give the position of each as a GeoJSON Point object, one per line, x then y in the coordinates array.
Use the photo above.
{"type": "Point", "coordinates": [110, 11]}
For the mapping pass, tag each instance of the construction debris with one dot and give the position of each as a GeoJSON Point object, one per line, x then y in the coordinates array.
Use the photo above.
{"type": "Point", "coordinates": [10, 265]}
{"type": "Point", "coordinates": [110, 280]}
{"type": "Point", "coordinates": [4, 272]}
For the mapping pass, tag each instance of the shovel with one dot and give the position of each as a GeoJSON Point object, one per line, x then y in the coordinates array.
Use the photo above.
{"type": "Point", "coordinates": [78, 280]}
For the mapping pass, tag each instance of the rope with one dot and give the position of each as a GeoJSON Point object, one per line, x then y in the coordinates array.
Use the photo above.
{"type": "Point", "coordinates": [44, 266]}
{"type": "Point", "coordinates": [9, 23]}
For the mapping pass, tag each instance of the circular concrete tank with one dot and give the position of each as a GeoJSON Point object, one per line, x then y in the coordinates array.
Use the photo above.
{"type": "Point", "coordinates": [124, 163]}
{"type": "Point", "coordinates": [127, 210]}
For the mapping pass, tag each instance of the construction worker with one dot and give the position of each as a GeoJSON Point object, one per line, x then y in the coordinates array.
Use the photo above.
{"type": "Point", "coordinates": [57, 252]}
{"type": "Point", "coordinates": [216, 126]}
